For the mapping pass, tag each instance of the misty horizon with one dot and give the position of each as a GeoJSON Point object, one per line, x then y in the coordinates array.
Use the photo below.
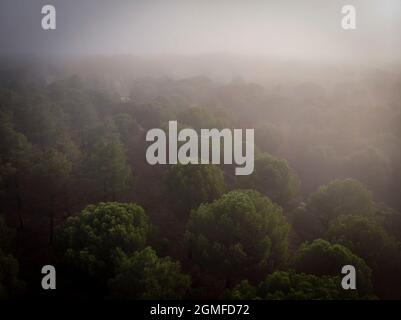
{"type": "Point", "coordinates": [305, 30]}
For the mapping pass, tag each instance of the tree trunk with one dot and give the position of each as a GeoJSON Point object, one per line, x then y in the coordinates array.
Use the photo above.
{"type": "Point", "coordinates": [104, 190]}
{"type": "Point", "coordinates": [68, 205]}
{"type": "Point", "coordinates": [19, 202]}
{"type": "Point", "coordinates": [51, 216]}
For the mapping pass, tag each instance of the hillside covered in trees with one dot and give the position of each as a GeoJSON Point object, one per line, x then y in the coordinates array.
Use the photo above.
{"type": "Point", "coordinates": [76, 190]}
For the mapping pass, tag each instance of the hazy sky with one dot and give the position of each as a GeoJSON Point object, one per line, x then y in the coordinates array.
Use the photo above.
{"type": "Point", "coordinates": [280, 28]}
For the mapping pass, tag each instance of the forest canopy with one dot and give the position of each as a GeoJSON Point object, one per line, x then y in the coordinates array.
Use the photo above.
{"type": "Point", "coordinates": [76, 190]}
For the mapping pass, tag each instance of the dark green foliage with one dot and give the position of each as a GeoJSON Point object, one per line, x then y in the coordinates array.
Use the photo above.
{"type": "Point", "coordinates": [340, 197]}
{"type": "Point", "coordinates": [305, 224]}
{"type": "Point", "coordinates": [369, 166]}
{"type": "Point", "coordinates": [92, 239]}
{"type": "Point", "coordinates": [274, 178]}
{"type": "Point", "coordinates": [12, 143]}
{"type": "Point", "coordinates": [242, 234]}
{"type": "Point", "coordinates": [282, 285]}
{"type": "Point", "coordinates": [143, 275]}
{"type": "Point", "coordinates": [107, 169]}
{"type": "Point", "coordinates": [10, 284]}
{"type": "Point", "coordinates": [322, 258]}
{"type": "Point", "coordinates": [76, 103]}
{"type": "Point", "coordinates": [363, 235]}
{"type": "Point", "coordinates": [367, 238]}
{"type": "Point", "coordinates": [51, 169]}
{"type": "Point", "coordinates": [242, 291]}
{"type": "Point", "coordinates": [189, 185]}
{"type": "Point", "coordinates": [15, 161]}
{"type": "Point", "coordinates": [390, 219]}
{"type": "Point", "coordinates": [7, 236]}
{"type": "Point", "coordinates": [126, 126]}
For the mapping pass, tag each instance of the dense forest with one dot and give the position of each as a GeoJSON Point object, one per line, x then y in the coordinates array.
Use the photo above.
{"type": "Point", "coordinates": [77, 193]}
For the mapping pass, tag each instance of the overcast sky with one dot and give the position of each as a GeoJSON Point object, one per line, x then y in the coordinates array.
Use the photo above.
{"type": "Point", "coordinates": [281, 28]}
